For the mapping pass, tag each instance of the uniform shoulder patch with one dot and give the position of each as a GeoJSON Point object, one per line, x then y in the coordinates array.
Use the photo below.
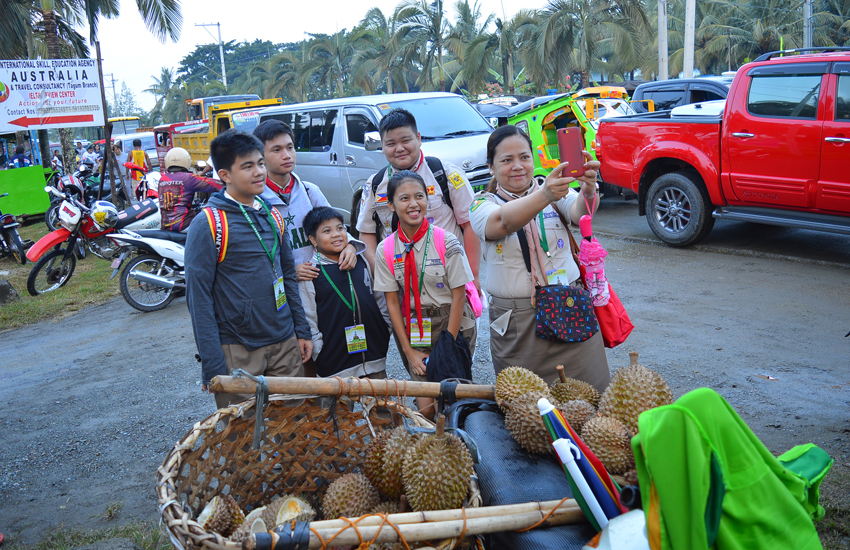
{"type": "Point", "coordinates": [476, 203]}
{"type": "Point", "coordinates": [457, 180]}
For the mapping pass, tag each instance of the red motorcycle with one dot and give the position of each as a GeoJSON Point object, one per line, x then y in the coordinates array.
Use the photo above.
{"type": "Point", "coordinates": [149, 184]}
{"type": "Point", "coordinates": [91, 225]}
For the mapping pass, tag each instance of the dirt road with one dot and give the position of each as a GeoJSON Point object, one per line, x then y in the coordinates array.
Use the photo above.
{"type": "Point", "coordinates": [91, 404]}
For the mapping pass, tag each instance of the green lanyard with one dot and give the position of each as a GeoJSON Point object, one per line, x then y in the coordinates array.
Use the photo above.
{"type": "Point", "coordinates": [543, 242]}
{"type": "Point", "coordinates": [350, 305]}
{"type": "Point", "coordinates": [424, 258]}
{"type": "Point", "coordinates": [257, 233]}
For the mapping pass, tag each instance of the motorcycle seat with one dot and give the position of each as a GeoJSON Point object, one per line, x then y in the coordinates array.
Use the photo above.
{"type": "Point", "coordinates": [173, 236]}
{"type": "Point", "coordinates": [135, 213]}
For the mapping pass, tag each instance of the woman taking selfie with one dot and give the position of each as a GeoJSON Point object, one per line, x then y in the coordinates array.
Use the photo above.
{"type": "Point", "coordinates": [430, 268]}
{"type": "Point", "coordinates": [516, 207]}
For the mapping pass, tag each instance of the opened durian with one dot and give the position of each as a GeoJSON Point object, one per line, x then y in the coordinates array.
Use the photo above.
{"type": "Point", "coordinates": [576, 412]}
{"type": "Point", "coordinates": [251, 526]}
{"type": "Point", "coordinates": [286, 509]}
{"type": "Point", "coordinates": [570, 388]}
{"type": "Point", "coordinates": [350, 496]}
{"type": "Point", "coordinates": [515, 382]}
{"type": "Point", "coordinates": [632, 390]}
{"type": "Point", "coordinates": [390, 480]}
{"type": "Point", "coordinates": [437, 470]}
{"type": "Point", "coordinates": [526, 425]}
{"type": "Point", "coordinates": [221, 515]}
{"type": "Point", "coordinates": [609, 440]}
{"type": "Point", "coordinates": [373, 462]}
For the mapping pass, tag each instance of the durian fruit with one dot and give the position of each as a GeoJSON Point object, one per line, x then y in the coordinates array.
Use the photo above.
{"type": "Point", "coordinates": [373, 462]}
{"type": "Point", "coordinates": [514, 382]}
{"type": "Point", "coordinates": [286, 509]}
{"type": "Point", "coordinates": [350, 496]}
{"type": "Point", "coordinates": [570, 388]}
{"type": "Point", "coordinates": [437, 470]}
{"type": "Point", "coordinates": [576, 412]}
{"type": "Point", "coordinates": [609, 440]}
{"type": "Point", "coordinates": [632, 390]}
{"type": "Point", "coordinates": [390, 481]}
{"type": "Point", "coordinates": [221, 515]}
{"type": "Point", "coordinates": [387, 507]}
{"type": "Point", "coordinates": [251, 526]}
{"type": "Point", "coordinates": [525, 424]}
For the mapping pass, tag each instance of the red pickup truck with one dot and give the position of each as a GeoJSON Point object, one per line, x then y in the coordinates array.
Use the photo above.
{"type": "Point", "coordinates": [777, 152]}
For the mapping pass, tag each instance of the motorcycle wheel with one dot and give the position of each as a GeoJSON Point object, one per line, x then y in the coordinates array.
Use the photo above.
{"type": "Point", "coordinates": [51, 217]}
{"type": "Point", "coordinates": [51, 272]}
{"type": "Point", "coordinates": [13, 239]}
{"type": "Point", "coordinates": [144, 296]}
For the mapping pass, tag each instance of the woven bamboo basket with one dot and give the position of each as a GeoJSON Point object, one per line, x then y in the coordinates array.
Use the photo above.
{"type": "Point", "coordinates": [305, 448]}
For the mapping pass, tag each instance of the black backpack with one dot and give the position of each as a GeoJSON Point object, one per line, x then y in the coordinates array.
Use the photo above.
{"type": "Point", "coordinates": [439, 172]}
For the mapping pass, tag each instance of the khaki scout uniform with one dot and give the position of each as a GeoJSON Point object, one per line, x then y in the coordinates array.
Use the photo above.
{"type": "Point", "coordinates": [512, 316]}
{"type": "Point", "coordinates": [438, 212]}
{"type": "Point", "coordinates": [436, 297]}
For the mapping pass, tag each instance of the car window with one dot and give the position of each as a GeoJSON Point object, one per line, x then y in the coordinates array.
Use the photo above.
{"type": "Point", "coordinates": [842, 104]}
{"type": "Point", "coordinates": [246, 121]}
{"type": "Point", "coordinates": [784, 96]}
{"type": "Point", "coordinates": [322, 124]}
{"type": "Point", "coordinates": [356, 126]}
{"type": "Point", "coordinates": [666, 99]}
{"type": "Point", "coordinates": [442, 117]}
{"type": "Point", "coordinates": [698, 96]}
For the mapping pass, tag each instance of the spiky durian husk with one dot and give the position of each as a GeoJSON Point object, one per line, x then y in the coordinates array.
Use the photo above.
{"type": "Point", "coordinates": [632, 390]}
{"type": "Point", "coordinates": [387, 507]}
{"type": "Point", "coordinates": [373, 461]}
{"type": "Point", "coordinates": [351, 496]}
{"type": "Point", "coordinates": [525, 424]}
{"type": "Point", "coordinates": [390, 482]}
{"type": "Point", "coordinates": [285, 509]}
{"type": "Point", "coordinates": [221, 515]}
{"type": "Point", "coordinates": [252, 525]}
{"type": "Point", "coordinates": [515, 382]}
{"type": "Point", "coordinates": [609, 440]}
{"type": "Point", "coordinates": [577, 412]}
{"type": "Point", "coordinates": [436, 473]}
{"type": "Point", "coordinates": [575, 389]}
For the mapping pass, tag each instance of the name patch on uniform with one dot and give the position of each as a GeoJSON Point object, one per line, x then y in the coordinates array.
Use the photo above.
{"type": "Point", "coordinates": [457, 180]}
{"type": "Point", "coordinates": [433, 261]}
{"type": "Point", "coordinates": [547, 215]}
{"type": "Point", "coordinates": [476, 204]}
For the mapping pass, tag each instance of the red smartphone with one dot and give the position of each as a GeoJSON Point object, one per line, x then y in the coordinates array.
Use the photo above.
{"type": "Point", "coordinates": [570, 148]}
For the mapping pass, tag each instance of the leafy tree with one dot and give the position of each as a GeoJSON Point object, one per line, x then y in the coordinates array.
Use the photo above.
{"type": "Point", "coordinates": [426, 27]}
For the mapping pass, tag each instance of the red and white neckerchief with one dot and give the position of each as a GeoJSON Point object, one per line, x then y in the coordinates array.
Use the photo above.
{"type": "Point", "coordinates": [276, 188]}
{"type": "Point", "coordinates": [411, 279]}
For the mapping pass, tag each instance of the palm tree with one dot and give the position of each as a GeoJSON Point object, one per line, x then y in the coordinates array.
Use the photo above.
{"type": "Point", "coordinates": [469, 41]}
{"type": "Point", "coordinates": [376, 44]}
{"type": "Point", "coordinates": [328, 62]}
{"type": "Point", "coordinates": [277, 76]}
{"type": "Point", "coordinates": [426, 28]}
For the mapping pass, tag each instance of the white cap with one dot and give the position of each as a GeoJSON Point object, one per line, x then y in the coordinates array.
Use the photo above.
{"type": "Point", "coordinates": [545, 406]}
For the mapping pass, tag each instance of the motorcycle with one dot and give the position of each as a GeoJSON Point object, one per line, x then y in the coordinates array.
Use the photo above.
{"type": "Point", "coordinates": [10, 240]}
{"type": "Point", "coordinates": [150, 280]}
{"type": "Point", "coordinates": [84, 186]}
{"type": "Point", "coordinates": [54, 267]}
{"type": "Point", "coordinates": [149, 185]}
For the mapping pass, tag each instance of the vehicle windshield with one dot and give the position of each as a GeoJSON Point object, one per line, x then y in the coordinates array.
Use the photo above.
{"type": "Point", "coordinates": [608, 108]}
{"type": "Point", "coordinates": [125, 126]}
{"type": "Point", "coordinates": [442, 117]}
{"type": "Point", "coordinates": [246, 121]}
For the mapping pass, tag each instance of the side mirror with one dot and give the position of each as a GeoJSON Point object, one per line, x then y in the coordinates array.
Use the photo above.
{"type": "Point", "coordinates": [373, 141]}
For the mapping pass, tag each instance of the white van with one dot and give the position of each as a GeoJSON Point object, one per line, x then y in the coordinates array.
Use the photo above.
{"type": "Point", "coordinates": [331, 139]}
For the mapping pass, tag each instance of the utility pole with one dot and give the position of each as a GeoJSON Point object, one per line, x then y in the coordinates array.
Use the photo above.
{"type": "Point", "coordinates": [220, 47]}
{"type": "Point", "coordinates": [690, 17]}
{"type": "Point", "coordinates": [807, 23]}
{"type": "Point", "coordinates": [729, 37]}
{"type": "Point", "coordinates": [662, 40]}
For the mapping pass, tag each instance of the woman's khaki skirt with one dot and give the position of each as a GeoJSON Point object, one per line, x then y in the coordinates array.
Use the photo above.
{"type": "Point", "coordinates": [513, 343]}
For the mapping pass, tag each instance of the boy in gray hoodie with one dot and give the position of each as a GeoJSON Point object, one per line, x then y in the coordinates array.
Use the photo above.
{"type": "Point", "coordinates": [240, 276]}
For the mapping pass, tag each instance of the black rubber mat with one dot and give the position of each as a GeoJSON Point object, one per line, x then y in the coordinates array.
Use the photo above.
{"type": "Point", "coordinates": [509, 475]}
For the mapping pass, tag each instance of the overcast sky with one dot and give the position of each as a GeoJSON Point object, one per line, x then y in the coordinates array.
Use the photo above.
{"type": "Point", "coordinates": [132, 54]}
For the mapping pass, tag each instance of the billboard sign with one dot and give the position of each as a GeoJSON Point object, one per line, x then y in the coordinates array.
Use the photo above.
{"type": "Point", "coordinates": [49, 93]}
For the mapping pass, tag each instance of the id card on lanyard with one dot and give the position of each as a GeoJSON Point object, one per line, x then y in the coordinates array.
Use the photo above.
{"type": "Point", "coordinates": [277, 285]}
{"type": "Point", "coordinates": [355, 335]}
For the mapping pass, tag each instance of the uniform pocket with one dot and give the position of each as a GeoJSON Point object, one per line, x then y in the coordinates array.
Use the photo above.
{"type": "Point", "coordinates": [435, 275]}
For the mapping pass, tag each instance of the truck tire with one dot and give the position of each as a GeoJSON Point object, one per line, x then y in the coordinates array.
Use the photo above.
{"type": "Point", "coordinates": [678, 210]}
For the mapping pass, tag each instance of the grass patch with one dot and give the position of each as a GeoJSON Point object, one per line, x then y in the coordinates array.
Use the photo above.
{"type": "Point", "coordinates": [145, 534]}
{"type": "Point", "coordinates": [834, 528]}
{"type": "Point", "coordinates": [88, 285]}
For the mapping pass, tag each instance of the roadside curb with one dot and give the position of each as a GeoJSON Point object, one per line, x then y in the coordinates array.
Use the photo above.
{"type": "Point", "coordinates": [723, 250]}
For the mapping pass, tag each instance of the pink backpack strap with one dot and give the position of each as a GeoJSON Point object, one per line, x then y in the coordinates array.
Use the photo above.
{"type": "Point", "coordinates": [388, 252]}
{"type": "Point", "coordinates": [440, 242]}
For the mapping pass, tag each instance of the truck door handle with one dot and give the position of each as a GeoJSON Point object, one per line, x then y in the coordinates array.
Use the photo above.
{"type": "Point", "coordinates": [742, 135]}
{"type": "Point", "coordinates": [837, 140]}
{"type": "Point", "coordinates": [349, 160]}
{"type": "Point", "coordinates": [333, 158]}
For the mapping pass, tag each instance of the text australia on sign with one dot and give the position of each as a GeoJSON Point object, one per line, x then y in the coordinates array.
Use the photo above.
{"type": "Point", "coordinates": [49, 93]}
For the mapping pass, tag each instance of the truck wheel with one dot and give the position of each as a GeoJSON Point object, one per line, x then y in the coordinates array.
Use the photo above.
{"type": "Point", "coordinates": [678, 211]}
{"type": "Point", "coordinates": [355, 213]}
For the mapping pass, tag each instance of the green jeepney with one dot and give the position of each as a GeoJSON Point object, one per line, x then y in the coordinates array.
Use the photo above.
{"type": "Point", "coordinates": [542, 117]}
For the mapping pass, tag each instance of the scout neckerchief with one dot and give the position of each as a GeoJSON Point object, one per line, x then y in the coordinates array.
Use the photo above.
{"type": "Point", "coordinates": [280, 298]}
{"type": "Point", "coordinates": [533, 236]}
{"type": "Point", "coordinates": [277, 188]}
{"type": "Point", "coordinates": [411, 283]}
{"type": "Point", "coordinates": [418, 166]}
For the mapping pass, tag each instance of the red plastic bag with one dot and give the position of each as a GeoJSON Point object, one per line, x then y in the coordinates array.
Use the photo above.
{"type": "Point", "coordinates": [614, 322]}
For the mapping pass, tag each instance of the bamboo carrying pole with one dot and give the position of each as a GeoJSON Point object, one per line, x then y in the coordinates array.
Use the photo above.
{"type": "Point", "coordinates": [348, 386]}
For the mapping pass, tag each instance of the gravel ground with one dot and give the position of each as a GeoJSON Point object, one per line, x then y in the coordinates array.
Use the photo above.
{"type": "Point", "coordinates": [92, 403]}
